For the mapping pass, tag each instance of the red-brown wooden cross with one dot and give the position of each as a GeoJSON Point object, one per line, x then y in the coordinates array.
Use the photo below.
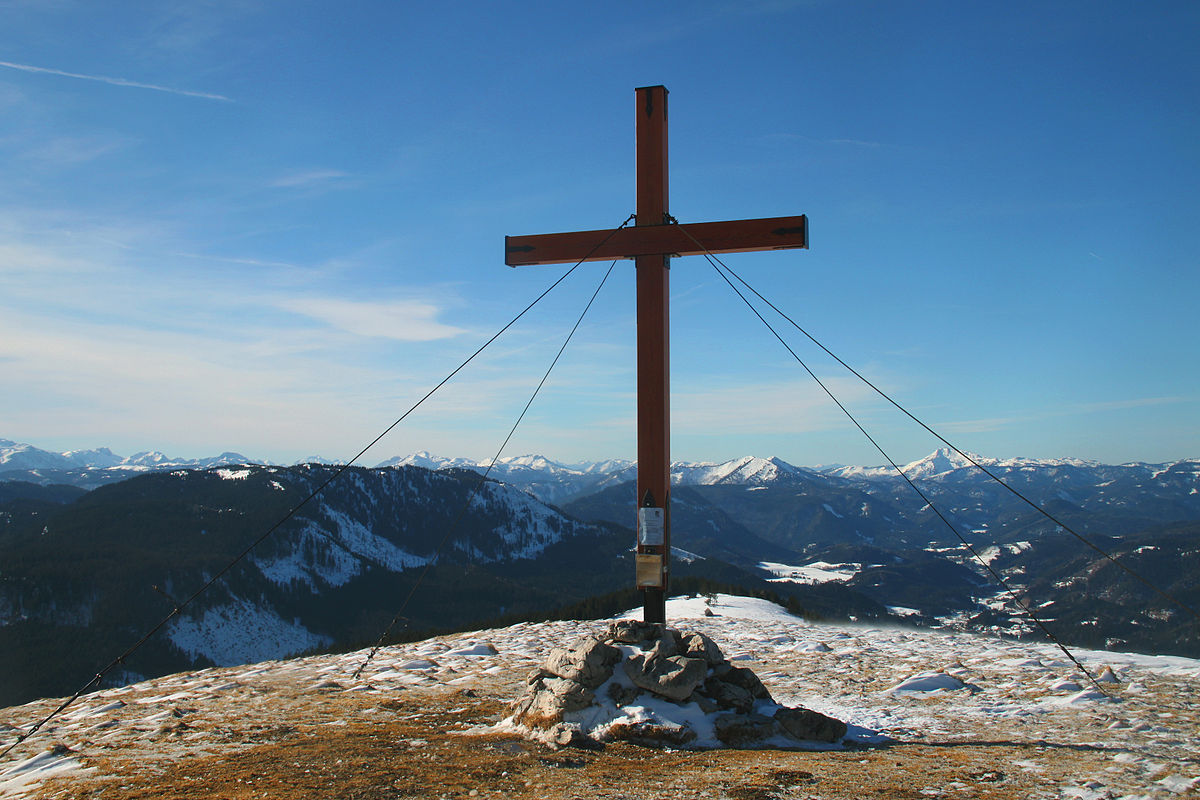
{"type": "Point", "coordinates": [651, 243]}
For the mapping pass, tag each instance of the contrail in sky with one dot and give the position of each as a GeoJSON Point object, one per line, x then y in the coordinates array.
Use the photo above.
{"type": "Point", "coordinates": [115, 81]}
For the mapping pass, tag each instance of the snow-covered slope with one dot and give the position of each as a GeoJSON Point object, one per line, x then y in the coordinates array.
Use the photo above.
{"type": "Point", "coordinates": [328, 573]}
{"type": "Point", "coordinates": [946, 715]}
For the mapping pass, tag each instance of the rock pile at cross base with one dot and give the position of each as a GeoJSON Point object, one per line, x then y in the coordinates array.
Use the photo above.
{"type": "Point", "coordinates": [652, 685]}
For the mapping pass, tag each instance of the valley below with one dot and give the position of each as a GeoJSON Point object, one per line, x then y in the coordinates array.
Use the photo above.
{"type": "Point", "coordinates": [423, 546]}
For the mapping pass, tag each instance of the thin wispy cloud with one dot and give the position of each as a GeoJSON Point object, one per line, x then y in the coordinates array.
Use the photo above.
{"type": "Point", "coordinates": [983, 425]}
{"type": "Point", "coordinates": [116, 81]}
{"type": "Point", "coordinates": [67, 150]}
{"type": "Point", "coordinates": [315, 176]}
{"type": "Point", "coordinates": [403, 320]}
{"type": "Point", "coordinates": [992, 424]}
{"type": "Point", "coordinates": [250, 262]}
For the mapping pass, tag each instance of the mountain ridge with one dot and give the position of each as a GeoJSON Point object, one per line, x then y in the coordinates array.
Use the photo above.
{"type": "Point", "coordinates": [17, 456]}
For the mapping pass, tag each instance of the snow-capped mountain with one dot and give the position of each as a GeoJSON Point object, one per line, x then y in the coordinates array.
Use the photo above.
{"type": "Point", "coordinates": [430, 461]}
{"type": "Point", "coordinates": [611, 466]}
{"type": "Point", "coordinates": [555, 482]}
{"type": "Point", "coordinates": [745, 471]}
{"type": "Point", "coordinates": [18, 456]}
{"type": "Point", "coordinates": [945, 460]}
{"type": "Point", "coordinates": [90, 468]}
{"type": "Point", "coordinates": [316, 459]}
{"type": "Point", "coordinates": [547, 479]}
{"type": "Point", "coordinates": [1087, 483]}
{"type": "Point", "coordinates": [101, 457]}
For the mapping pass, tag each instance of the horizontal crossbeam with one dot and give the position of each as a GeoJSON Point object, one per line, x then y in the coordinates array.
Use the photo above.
{"type": "Point", "coordinates": [735, 236]}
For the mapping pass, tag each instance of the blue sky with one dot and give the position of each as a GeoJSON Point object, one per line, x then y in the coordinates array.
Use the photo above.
{"type": "Point", "coordinates": [270, 227]}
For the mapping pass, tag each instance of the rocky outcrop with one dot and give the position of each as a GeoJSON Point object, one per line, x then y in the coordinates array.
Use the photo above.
{"type": "Point", "coordinates": [657, 686]}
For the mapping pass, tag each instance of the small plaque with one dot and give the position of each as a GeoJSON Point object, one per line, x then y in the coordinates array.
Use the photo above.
{"type": "Point", "coordinates": [649, 571]}
{"type": "Point", "coordinates": [650, 526]}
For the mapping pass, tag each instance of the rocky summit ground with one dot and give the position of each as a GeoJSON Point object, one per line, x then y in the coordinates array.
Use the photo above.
{"type": "Point", "coordinates": [931, 715]}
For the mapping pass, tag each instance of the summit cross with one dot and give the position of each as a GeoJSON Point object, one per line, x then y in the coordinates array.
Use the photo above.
{"type": "Point", "coordinates": [653, 240]}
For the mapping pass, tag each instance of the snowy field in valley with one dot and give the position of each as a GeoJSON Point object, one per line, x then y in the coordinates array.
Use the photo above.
{"type": "Point", "coordinates": [894, 686]}
{"type": "Point", "coordinates": [816, 572]}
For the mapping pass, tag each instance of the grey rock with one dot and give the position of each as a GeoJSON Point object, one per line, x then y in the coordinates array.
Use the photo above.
{"type": "Point", "coordinates": [537, 674]}
{"type": "Point", "coordinates": [622, 695]}
{"type": "Point", "coordinates": [728, 696]}
{"type": "Point", "coordinates": [674, 677]}
{"type": "Point", "coordinates": [744, 730]}
{"type": "Point", "coordinates": [570, 736]}
{"type": "Point", "coordinates": [669, 644]}
{"type": "Point", "coordinates": [569, 695]}
{"type": "Point", "coordinates": [587, 661]}
{"type": "Point", "coordinates": [697, 645]}
{"type": "Point", "coordinates": [803, 723]}
{"type": "Point", "coordinates": [630, 631]}
{"type": "Point", "coordinates": [649, 734]}
{"type": "Point", "coordinates": [548, 699]}
{"type": "Point", "coordinates": [537, 709]}
{"type": "Point", "coordinates": [745, 678]}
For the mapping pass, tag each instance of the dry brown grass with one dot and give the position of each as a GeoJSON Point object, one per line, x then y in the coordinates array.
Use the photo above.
{"type": "Point", "coordinates": [415, 749]}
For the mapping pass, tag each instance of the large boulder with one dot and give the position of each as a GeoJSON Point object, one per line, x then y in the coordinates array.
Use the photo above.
{"type": "Point", "coordinates": [803, 723]}
{"type": "Point", "coordinates": [587, 661]}
{"type": "Point", "coordinates": [697, 645]}
{"type": "Point", "coordinates": [548, 698]}
{"type": "Point", "coordinates": [673, 677]}
{"type": "Point", "coordinates": [652, 734]}
{"type": "Point", "coordinates": [631, 631]}
{"type": "Point", "coordinates": [744, 730]}
{"type": "Point", "coordinates": [728, 696]}
{"type": "Point", "coordinates": [745, 678]}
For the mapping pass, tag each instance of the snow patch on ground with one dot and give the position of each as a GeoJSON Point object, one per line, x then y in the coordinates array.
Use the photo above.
{"type": "Point", "coordinates": [25, 776]}
{"type": "Point", "coordinates": [887, 681]}
{"type": "Point", "coordinates": [927, 682]}
{"type": "Point", "coordinates": [816, 572]}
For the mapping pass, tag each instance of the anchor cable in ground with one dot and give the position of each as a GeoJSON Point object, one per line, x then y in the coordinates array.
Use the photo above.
{"type": "Point", "coordinates": [998, 578]}
{"type": "Point", "coordinates": [1050, 517]}
{"type": "Point", "coordinates": [482, 480]}
{"type": "Point", "coordinates": [99, 676]}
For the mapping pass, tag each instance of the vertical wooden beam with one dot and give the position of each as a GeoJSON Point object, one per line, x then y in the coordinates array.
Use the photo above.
{"type": "Point", "coordinates": [653, 339]}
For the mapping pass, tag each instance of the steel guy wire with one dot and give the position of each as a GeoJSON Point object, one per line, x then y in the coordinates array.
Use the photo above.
{"type": "Point", "coordinates": [482, 479]}
{"type": "Point", "coordinates": [1132, 572]}
{"type": "Point", "coordinates": [999, 579]}
{"type": "Point", "coordinates": [99, 676]}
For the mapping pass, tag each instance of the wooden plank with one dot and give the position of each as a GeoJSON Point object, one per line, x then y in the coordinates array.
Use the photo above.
{"type": "Point", "coordinates": [653, 343]}
{"type": "Point", "coordinates": [734, 236]}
